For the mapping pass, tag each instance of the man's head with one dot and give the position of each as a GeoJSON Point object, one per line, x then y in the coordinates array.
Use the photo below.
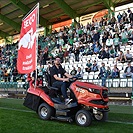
{"type": "Point", "coordinates": [57, 60]}
{"type": "Point", "coordinates": [128, 51]}
{"type": "Point", "coordinates": [129, 64]}
{"type": "Point", "coordinates": [73, 67]}
{"type": "Point", "coordinates": [115, 66]}
{"type": "Point", "coordinates": [79, 69]}
{"type": "Point", "coordinates": [103, 64]}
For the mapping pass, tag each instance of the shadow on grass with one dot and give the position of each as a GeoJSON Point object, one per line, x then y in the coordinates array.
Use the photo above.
{"type": "Point", "coordinates": [24, 122]}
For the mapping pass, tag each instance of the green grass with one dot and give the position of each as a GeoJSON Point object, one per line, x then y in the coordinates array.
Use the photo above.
{"type": "Point", "coordinates": [12, 103]}
{"type": "Point", "coordinates": [17, 121]}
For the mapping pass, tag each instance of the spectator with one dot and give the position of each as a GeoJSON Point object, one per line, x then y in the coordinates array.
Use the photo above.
{"type": "Point", "coordinates": [65, 38]}
{"type": "Point", "coordinates": [87, 50]}
{"type": "Point", "coordinates": [124, 37]}
{"type": "Point", "coordinates": [104, 38]}
{"type": "Point", "coordinates": [107, 53]}
{"type": "Point", "coordinates": [119, 16]}
{"type": "Point", "coordinates": [74, 71]}
{"type": "Point", "coordinates": [131, 37]}
{"type": "Point", "coordinates": [124, 15]}
{"type": "Point", "coordinates": [115, 72]}
{"type": "Point", "coordinates": [94, 67]}
{"type": "Point", "coordinates": [14, 73]}
{"type": "Point", "coordinates": [1, 74]}
{"type": "Point", "coordinates": [108, 74]}
{"type": "Point", "coordinates": [89, 39]}
{"type": "Point", "coordinates": [116, 41]}
{"type": "Point", "coordinates": [109, 42]}
{"type": "Point", "coordinates": [60, 41]}
{"type": "Point", "coordinates": [93, 46]}
{"type": "Point", "coordinates": [96, 49]}
{"type": "Point", "coordinates": [79, 73]}
{"type": "Point", "coordinates": [131, 16]}
{"type": "Point", "coordinates": [113, 21]}
{"type": "Point", "coordinates": [128, 72]}
{"type": "Point", "coordinates": [70, 40]}
{"type": "Point", "coordinates": [88, 68]}
{"type": "Point", "coordinates": [6, 76]}
{"type": "Point", "coordinates": [129, 10]}
{"type": "Point", "coordinates": [76, 52]}
{"type": "Point", "coordinates": [102, 54]}
{"type": "Point", "coordinates": [96, 36]}
{"type": "Point", "coordinates": [128, 56]}
{"type": "Point", "coordinates": [116, 28]}
{"type": "Point", "coordinates": [112, 52]}
{"type": "Point", "coordinates": [44, 56]}
{"type": "Point", "coordinates": [103, 74]}
{"type": "Point", "coordinates": [121, 57]}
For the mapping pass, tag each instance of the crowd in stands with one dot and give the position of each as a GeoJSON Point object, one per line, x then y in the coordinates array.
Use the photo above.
{"type": "Point", "coordinates": [105, 39]}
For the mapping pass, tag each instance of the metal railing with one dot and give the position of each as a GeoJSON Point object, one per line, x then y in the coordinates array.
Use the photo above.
{"type": "Point", "coordinates": [113, 85]}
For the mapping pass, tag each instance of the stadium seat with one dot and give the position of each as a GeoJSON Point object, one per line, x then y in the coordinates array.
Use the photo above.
{"type": "Point", "coordinates": [121, 73]}
{"type": "Point", "coordinates": [115, 82]}
{"type": "Point", "coordinates": [97, 81]}
{"type": "Point", "coordinates": [129, 82]}
{"type": "Point", "coordinates": [109, 83]}
{"type": "Point", "coordinates": [85, 77]}
{"type": "Point", "coordinates": [71, 66]}
{"type": "Point", "coordinates": [93, 57]}
{"type": "Point", "coordinates": [105, 60]}
{"type": "Point", "coordinates": [91, 75]}
{"type": "Point", "coordinates": [120, 66]}
{"type": "Point", "coordinates": [128, 47]}
{"type": "Point", "coordinates": [66, 66]}
{"type": "Point", "coordinates": [71, 61]}
{"type": "Point", "coordinates": [90, 80]}
{"type": "Point", "coordinates": [79, 65]}
{"type": "Point", "coordinates": [96, 75]}
{"type": "Point", "coordinates": [84, 59]}
{"type": "Point", "coordinates": [123, 82]}
{"type": "Point", "coordinates": [84, 64]}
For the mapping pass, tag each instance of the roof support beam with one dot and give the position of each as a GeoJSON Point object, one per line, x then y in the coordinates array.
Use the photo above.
{"type": "Point", "coordinates": [66, 8]}
{"type": "Point", "coordinates": [15, 25]}
{"type": "Point", "coordinates": [3, 34]}
{"type": "Point", "coordinates": [26, 9]}
{"type": "Point", "coordinates": [108, 3]}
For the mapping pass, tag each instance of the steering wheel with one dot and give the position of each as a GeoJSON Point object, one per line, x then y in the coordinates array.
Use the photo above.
{"type": "Point", "coordinates": [73, 79]}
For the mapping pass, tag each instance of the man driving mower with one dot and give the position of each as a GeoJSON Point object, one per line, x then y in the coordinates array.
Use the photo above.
{"type": "Point", "coordinates": [60, 78]}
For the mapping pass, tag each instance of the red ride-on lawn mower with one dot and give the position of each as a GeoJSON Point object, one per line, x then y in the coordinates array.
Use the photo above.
{"type": "Point", "coordinates": [89, 103]}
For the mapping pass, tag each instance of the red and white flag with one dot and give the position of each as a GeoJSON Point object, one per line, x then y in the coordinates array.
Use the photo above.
{"type": "Point", "coordinates": [26, 61]}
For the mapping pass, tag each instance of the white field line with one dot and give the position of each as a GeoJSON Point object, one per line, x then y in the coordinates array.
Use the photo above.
{"type": "Point", "coordinates": [33, 112]}
{"type": "Point", "coordinates": [17, 109]}
{"type": "Point", "coordinates": [120, 122]}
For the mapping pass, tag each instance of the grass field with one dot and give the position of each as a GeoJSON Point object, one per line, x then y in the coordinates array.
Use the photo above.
{"type": "Point", "coordinates": [15, 118]}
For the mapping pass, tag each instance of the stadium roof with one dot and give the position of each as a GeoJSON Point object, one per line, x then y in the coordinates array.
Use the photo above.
{"type": "Point", "coordinates": [51, 11]}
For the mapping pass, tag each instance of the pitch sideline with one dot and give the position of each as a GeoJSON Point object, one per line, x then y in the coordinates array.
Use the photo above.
{"type": "Point", "coordinates": [34, 112]}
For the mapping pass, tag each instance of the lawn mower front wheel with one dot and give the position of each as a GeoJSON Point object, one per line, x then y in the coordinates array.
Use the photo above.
{"type": "Point", "coordinates": [83, 118]}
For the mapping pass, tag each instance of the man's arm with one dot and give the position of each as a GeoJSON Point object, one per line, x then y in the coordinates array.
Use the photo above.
{"type": "Point", "coordinates": [68, 75]}
{"type": "Point", "coordinates": [125, 70]}
{"type": "Point", "coordinates": [61, 79]}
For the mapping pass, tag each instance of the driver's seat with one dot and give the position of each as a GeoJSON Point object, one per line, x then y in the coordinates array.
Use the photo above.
{"type": "Point", "coordinates": [54, 92]}
{"type": "Point", "coordinates": [47, 78]}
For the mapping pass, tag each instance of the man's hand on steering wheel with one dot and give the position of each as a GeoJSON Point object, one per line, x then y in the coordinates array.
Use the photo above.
{"type": "Point", "coordinates": [73, 79]}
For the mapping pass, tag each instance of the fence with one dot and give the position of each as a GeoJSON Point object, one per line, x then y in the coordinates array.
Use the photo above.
{"type": "Point", "coordinates": [13, 86]}
{"type": "Point", "coordinates": [113, 85]}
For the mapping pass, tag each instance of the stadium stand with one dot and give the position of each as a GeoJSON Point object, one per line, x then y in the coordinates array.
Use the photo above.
{"type": "Point", "coordinates": [76, 52]}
